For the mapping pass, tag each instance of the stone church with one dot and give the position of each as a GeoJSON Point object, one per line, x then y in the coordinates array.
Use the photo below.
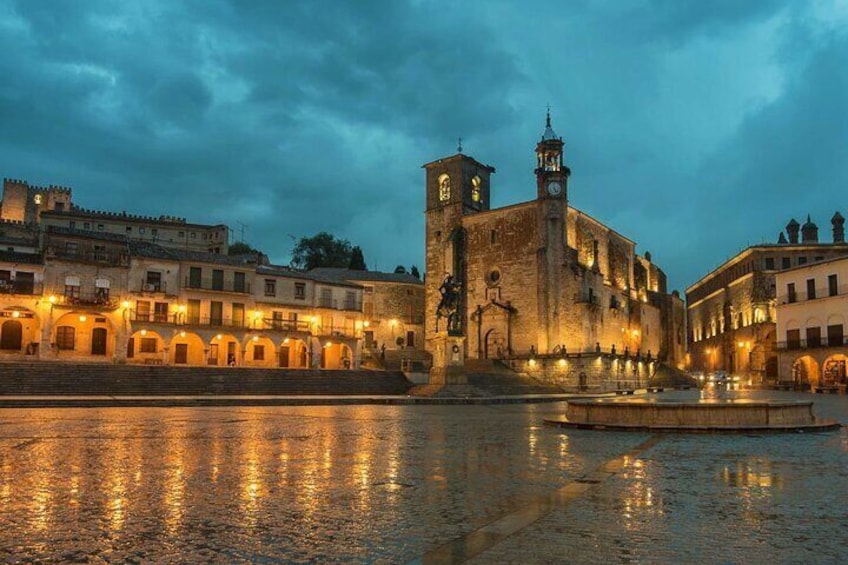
{"type": "Point", "coordinates": [538, 277]}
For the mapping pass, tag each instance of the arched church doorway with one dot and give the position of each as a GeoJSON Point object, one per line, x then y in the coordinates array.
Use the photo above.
{"type": "Point", "coordinates": [494, 344]}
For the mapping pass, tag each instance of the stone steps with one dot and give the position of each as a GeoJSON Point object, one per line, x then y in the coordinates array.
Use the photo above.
{"type": "Point", "coordinates": [44, 378]}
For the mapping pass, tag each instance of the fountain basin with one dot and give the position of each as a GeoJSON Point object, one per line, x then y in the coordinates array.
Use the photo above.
{"type": "Point", "coordinates": [714, 415]}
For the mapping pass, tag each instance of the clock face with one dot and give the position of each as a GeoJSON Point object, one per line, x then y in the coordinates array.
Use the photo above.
{"type": "Point", "coordinates": [554, 188]}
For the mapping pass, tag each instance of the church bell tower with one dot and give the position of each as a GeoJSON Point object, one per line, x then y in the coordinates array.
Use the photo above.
{"type": "Point", "coordinates": [551, 173]}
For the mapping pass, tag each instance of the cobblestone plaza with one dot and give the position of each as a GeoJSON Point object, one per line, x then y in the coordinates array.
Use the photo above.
{"type": "Point", "coordinates": [396, 484]}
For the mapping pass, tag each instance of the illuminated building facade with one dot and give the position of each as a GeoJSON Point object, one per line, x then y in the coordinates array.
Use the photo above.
{"type": "Point", "coordinates": [732, 311]}
{"type": "Point", "coordinates": [539, 277]}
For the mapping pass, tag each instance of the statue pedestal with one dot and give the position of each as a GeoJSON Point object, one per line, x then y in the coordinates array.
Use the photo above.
{"type": "Point", "coordinates": [448, 360]}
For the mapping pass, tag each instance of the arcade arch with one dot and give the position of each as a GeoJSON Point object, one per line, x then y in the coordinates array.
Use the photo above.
{"type": "Point", "coordinates": [805, 371]}
{"type": "Point", "coordinates": [187, 348]}
{"type": "Point", "coordinates": [83, 334]}
{"type": "Point", "coordinates": [833, 370]}
{"type": "Point", "coordinates": [294, 354]}
{"type": "Point", "coordinates": [146, 346]}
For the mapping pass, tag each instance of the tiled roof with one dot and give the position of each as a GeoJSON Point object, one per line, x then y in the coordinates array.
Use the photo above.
{"type": "Point", "coordinates": [332, 273]}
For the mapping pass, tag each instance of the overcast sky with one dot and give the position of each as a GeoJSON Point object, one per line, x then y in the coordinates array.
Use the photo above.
{"type": "Point", "coordinates": [693, 127]}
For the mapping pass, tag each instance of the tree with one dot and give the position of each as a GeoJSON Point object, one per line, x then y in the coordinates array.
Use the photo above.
{"type": "Point", "coordinates": [321, 250]}
{"type": "Point", "coordinates": [400, 270]}
{"type": "Point", "coordinates": [414, 272]}
{"type": "Point", "coordinates": [240, 248]}
{"type": "Point", "coordinates": [357, 260]}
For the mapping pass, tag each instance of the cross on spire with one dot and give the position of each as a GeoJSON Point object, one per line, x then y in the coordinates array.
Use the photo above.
{"type": "Point", "coordinates": [459, 145]}
{"type": "Point", "coordinates": [548, 120]}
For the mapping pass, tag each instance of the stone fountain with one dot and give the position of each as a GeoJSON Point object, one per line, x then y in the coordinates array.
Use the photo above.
{"type": "Point", "coordinates": [710, 413]}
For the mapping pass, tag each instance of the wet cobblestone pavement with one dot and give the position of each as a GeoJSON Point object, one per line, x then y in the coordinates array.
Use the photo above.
{"type": "Point", "coordinates": [394, 484]}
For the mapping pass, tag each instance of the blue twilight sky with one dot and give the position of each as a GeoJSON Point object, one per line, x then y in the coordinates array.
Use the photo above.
{"type": "Point", "coordinates": [693, 127]}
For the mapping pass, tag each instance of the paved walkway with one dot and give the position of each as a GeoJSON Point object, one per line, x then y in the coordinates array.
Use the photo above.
{"type": "Point", "coordinates": [429, 484]}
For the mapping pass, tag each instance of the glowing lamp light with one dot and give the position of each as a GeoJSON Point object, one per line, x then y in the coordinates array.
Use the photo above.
{"type": "Point", "coordinates": [182, 334]}
{"type": "Point", "coordinates": [393, 322]}
{"type": "Point", "coordinates": [366, 323]}
{"type": "Point", "coordinates": [257, 314]}
{"type": "Point", "coordinates": [143, 332]}
{"type": "Point", "coordinates": [532, 362]}
{"type": "Point", "coordinates": [125, 304]}
{"type": "Point", "coordinates": [328, 344]}
{"type": "Point", "coordinates": [635, 333]}
{"type": "Point", "coordinates": [313, 319]}
{"type": "Point", "coordinates": [16, 314]}
{"type": "Point", "coordinates": [286, 341]}
{"type": "Point", "coordinates": [219, 336]}
{"type": "Point", "coordinates": [82, 318]}
{"type": "Point", "coordinates": [255, 338]}
{"type": "Point", "coordinates": [52, 299]}
{"type": "Point", "coordinates": [561, 362]}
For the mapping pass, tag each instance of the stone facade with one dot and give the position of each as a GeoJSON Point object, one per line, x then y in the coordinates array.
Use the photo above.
{"type": "Point", "coordinates": [536, 277]}
{"type": "Point", "coordinates": [732, 311]}
{"type": "Point", "coordinates": [52, 207]}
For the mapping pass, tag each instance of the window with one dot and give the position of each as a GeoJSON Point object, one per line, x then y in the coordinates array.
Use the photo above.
{"type": "Point", "coordinates": [153, 281]}
{"type": "Point", "coordinates": [100, 253]}
{"type": "Point", "coordinates": [238, 282]}
{"type": "Point", "coordinates": [71, 248]}
{"type": "Point", "coordinates": [350, 300]}
{"type": "Point", "coordinates": [86, 225]}
{"type": "Point", "coordinates": [154, 232]}
{"type": "Point", "coordinates": [72, 224]}
{"type": "Point", "coordinates": [217, 279]}
{"type": "Point", "coordinates": [59, 206]}
{"type": "Point", "coordinates": [270, 287]}
{"type": "Point", "coordinates": [100, 227]}
{"type": "Point", "coordinates": [300, 291]}
{"type": "Point", "coordinates": [147, 345]}
{"type": "Point", "coordinates": [142, 310]}
{"type": "Point", "coordinates": [181, 234]}
{"type": "Point", "coordinates": [101, 290]}
{"type": "Point", "coordinates": [785, 263]}
{"type": "Point", "coordinates": [72, 288]}
{"type": "Point", "coordinates": [258, 352]}
{"type": "Point", "coordinates": [835, 335]}
{"type": "Point", "coordinates": [65, 338]}
{"type": "Point", "coordinates": [802, 260]}
{"type": "Point", "coordinates": [160, 312]}
{"type": "Point", "coordinates": [205, 235]}
{"type": "Point", "coordinates": [832, 288]}
{"type": "Point", "coordinates": [814, 337]}
{"type": "Point", "coordinates": [769, 263]}
{"type": "Point", "coordinates": [790, 293]}
{"type": "Point", "coordinates": [194, 277]}
{"type": "Point", "coordinates": [194, 235]}
{"type": "Point", "coordinates": [129, 229]}
{"type": "Point", "coordinates": [793, 339]}
{"type": "Point", "coordinates": [326, 298]}
{"type": "Point", "coordinates": [811, 289]}
{"type": "Point", "coordinates": [142, 230]}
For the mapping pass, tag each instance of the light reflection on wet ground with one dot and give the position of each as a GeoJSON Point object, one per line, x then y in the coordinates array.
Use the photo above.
{"type": "Point", "coordinates": [390, 483]}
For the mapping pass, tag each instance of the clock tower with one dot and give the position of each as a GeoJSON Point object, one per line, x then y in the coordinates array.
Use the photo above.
{"type": "Point", "coordinates": [551, 173]}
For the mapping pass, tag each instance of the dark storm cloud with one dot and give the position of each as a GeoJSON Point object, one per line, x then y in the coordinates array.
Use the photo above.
{"type": "Point", "coordinates": [692, 127]}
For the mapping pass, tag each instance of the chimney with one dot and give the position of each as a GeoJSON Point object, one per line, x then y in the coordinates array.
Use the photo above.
{"type": "Point", "coordinates": [838, 228]}
{"type": "Point", "coordinates": [792, 230]}
{"type": "Point", "coordinates": [809, 232]}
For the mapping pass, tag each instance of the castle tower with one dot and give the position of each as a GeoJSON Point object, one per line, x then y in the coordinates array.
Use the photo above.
{"type": "Point", "coordinates": [838, 223]}
{"type": "Point", "coordinates": [552, 195]}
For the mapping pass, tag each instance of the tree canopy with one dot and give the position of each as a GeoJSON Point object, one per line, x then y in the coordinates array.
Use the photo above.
{"type": "Point", "coordinates": [240, 248]}
{"type": "Point", "coordinates": [357, 259]}
{"type": "Point", "coordinates": [325, 250]}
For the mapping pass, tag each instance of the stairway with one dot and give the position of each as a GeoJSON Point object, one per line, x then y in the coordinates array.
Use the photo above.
{"type": "Point", "coordinates": [496, 379]}
{"type": "Point", "coordinates": [63, 379]}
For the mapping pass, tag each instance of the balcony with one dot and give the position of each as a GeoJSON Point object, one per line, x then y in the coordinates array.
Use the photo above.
{"type": "Point", "coordinates": [29, 288]}
{"type": "Point", "coordinates": [98, 298]}
{"type": "Point", "coordinates": [286, 325]}
{"type": "Point", "coordinates": [147, 287]}
{"type": "Point", "coordinates": [829, 341]}
{"type": "Point", "coordinates": [350, 305]}
{"type": "Point", "coordinates": [182, 319]}
{"type": "Point", "coordinates": [589, 298]}
{"type": "Point", "coordinates": [217, 285]}
{"type": "Point", "coordinates": [111, 258]}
